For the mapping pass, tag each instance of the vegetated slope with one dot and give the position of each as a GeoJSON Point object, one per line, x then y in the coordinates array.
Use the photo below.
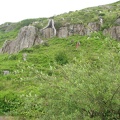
{"type": "Point", "coordinates": [109, 13]}
{"type": "Point", "coordinates": [59, 81]}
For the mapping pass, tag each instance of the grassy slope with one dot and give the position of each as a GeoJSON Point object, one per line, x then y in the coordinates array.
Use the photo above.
{"type": "Point", "coordinates": [41, 88]}
{"type": "Point", "coordinates": [109, 13]}
{"type": "Point", "coordinates": [85, 86]}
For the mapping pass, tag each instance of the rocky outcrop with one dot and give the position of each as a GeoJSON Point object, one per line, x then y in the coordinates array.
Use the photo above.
{"type": "Point", "coordinates": [78, 29]}
{"type": "Point", "coordinates": [27, 37]}
{"type": "Point", "coordinates": [49, 31]}
{"type": "Point", "coordinates": [114, 32]}
{"type": "Point", "coordinates": [30, 35]}
{"type": "Point", "coordinates": [63, 32]}
{"type": "Point", "coordinates": [93, 26]}
{"type": "Point", "coordinates": [117, 21]}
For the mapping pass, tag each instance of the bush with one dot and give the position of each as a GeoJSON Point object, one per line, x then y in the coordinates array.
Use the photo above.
{"type": "Point", "coordinates": [13, 57]}
{"type": "Point", "coordinates": [102, 14]}
{"type": "Point", "coordinates": [8, 101]}
{"type": "Point", "coordinates": [46, 44]}
{"type": "Point", "coordinates": [27, 50]}
{"type": "Point", "coordinates": [61, 58]}
{"type": "Point", "coordinates": [58, 25]}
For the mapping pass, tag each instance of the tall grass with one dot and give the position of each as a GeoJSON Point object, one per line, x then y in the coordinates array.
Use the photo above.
{"type": "Point", "coordinates": [85, 87]}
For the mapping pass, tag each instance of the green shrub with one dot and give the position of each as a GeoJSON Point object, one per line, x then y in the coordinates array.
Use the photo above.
{"type": "Point", "coordinates": [37, 47]}
{"type": "Point", "coordinates": [61, 58]}
{"type": "Point", "coordinates": [13, 57]}
{"type": "Point", "coordinates": [8, 101]}
{"type": "Point", "coordinates": [27, 50]}
{"type": "Point", "coordinates": [58, 25]}
{"type": "Point", "coordinates": [102, 14]}
{"type": "Point", "coordinates": [46, 44]}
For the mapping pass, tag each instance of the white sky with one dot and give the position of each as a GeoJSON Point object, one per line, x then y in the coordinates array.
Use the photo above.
{"type": "Point", "coordinates": [17, 10]}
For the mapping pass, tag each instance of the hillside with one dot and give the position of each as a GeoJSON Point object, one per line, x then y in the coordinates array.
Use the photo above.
{"type": "Point", "coordinates": [109, 13]}
{"type": "Point", "coordinates": [59, 79]}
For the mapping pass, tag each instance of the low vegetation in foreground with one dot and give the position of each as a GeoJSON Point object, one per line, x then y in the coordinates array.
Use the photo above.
{"type": "Point", "coordinates": [61, 82]}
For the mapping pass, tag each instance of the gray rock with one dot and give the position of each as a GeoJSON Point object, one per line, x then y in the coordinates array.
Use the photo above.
{"type": "Point", "coordinates": [6, 72]}
{"type": "Point", "coordinates": [79, 29]}
{"type": "Point", "coordinates": [30, 35]}
{"type": "Point", "coordinates": [93, 26]}
{"type": "Point", "coordinates": [63, 32]}
{"type": "Point", "coordinates": [71, 30]}
{"type": "Point", "coordinates": [49, 31]}
{"type": "Point", "coordinates": [114, 32]}
{"type": "Point", "coordinates": [117, 21]}
{"type": "Point", "coordinates": [27, 37]}
{"type": "Point", "coordinates": [24, 56]}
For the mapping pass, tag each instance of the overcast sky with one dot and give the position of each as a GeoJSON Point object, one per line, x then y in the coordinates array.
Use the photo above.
{"type": "Point", "coordinates": [17, 10]}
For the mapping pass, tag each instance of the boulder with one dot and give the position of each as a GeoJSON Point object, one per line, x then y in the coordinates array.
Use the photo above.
{"type": "Point", "coordinates": [93, 26]}
{"type": "Point", "coordinates": [6, 72]}
{"type": "Point", "coordinates": [117, 21]}
{"type": "Point", "coordinates": [79, 29]}
{"type": "Point", "coordinates": [114, 32]}
{"type": "Point", "coordinates": [27, 37]}
{"type": "Point", "coordinates": [49, 31]}
{"type": "Point", "coordinates": [71, 30]}
{"type": "Point", "coordinates": [8, 46]}
{"type": "Point", "coordinates": [63, 32]}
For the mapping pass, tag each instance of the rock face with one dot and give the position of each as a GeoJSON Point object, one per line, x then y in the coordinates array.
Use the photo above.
{"type": "Point", "coordinates": [93, 26]}
{"type": "Point", "coordinates": [63, 32]}
{"type": "Point", "coordinates": [27, 37]}
{"type": "Point", "coordinates": [49, 31]}
{"type": "Point", "coordinates": [30, 35]}
{"type": "Point", "coordinates": [114, 32]}
{"type": "Point", "coordinates": [117, 21]}
{"type": "Point", "coordinates": [71, 30]}
{"type": "Point", "coordinates": [78, 29]}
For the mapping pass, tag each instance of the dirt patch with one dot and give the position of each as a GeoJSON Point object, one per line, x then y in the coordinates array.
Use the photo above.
{"type": "Point", "coordinates": [6, 118]}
